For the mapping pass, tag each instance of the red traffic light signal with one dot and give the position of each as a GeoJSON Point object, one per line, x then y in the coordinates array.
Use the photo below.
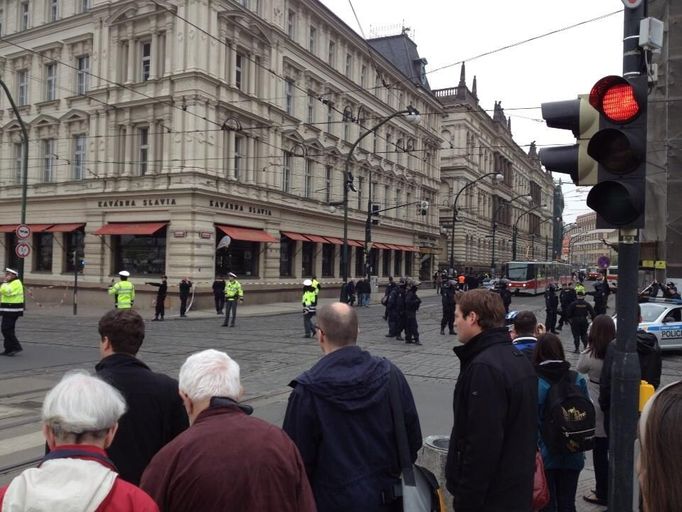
{"type": "Point", "coordinates": [614, 97]}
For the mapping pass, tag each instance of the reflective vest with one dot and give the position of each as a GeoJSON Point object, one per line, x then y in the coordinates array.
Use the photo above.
{"type": "Point", "coordinates": [233, 290]}
{"type": "Point", "coordinates": [12, 297]}
{"type": "Point", "coordinates": [316, 286]}
{"type": "Point", "coordinates": [309, 300]}
{"type": "Point", "coordinates": [125, 294]}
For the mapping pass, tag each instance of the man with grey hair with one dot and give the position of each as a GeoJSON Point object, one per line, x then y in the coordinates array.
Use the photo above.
{"type": "Point", "coordinates": [226, 459]}
{"type": "Point", "coordinates": [339, 415]}
{"type": "Point", "coordinates": [80, 417]}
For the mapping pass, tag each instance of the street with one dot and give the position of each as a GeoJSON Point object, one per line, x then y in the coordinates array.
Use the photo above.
{"type": "Point", "coordinates": [270, 349]}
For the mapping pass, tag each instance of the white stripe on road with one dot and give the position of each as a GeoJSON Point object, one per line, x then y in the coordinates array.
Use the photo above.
{"type": "Point", "coordinates": [20, 443]}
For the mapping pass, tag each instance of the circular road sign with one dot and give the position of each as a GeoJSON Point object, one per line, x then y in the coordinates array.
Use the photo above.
{"type": "Point", "coordinates": [23, 231]}
{"type": "Point", "coordinates": [603, 262]}
{"type": "Point", "coordinates": [632, 4]}
{"type": "Point", "coordinates": [22, 249]}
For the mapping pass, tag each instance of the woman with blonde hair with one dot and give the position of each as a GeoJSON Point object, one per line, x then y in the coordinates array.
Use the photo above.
{"type": "Point", "coordinates": [660, 460]}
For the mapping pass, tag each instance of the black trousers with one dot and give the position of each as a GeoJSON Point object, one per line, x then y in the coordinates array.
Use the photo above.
{"type": "Point", "coordinates": [160, 307]}
{"type": "Point", "coordinates": [395, 324]}
{"type": "Point", "coordinates": [183, 304]}
{"type": "Point", "coordinates": [600, 456]}
{"type": "Point", "coordinates": [219, 299]}
{"type": "Point", "coordinates": [7, 326]}
{"type": "Point", "coordinates": [411, 328]}
{"type": "Point", "coordinates": [550, 320]}
{"type": "Point", "coordinates": [579, 330]}
{"type": "Point", "coordinates": [230, 307]}
{"type": "Point", "coordinates": [448, 318]}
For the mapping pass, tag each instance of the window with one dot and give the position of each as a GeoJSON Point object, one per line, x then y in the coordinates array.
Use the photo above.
{"type": "Point", "coordinates": [386, 262]}
{"type": "Point", "coordinates": [22, 87]}
{"type": "Point", "coordinates": [361, 182]}
{"type": "Point", "coordinates": [286, 256]}
{"type": "Point", "coordinates": [331, 55]}
{"type": "Point", "coordinates": [48, 160]}
{"type": "Point", "coordinates": [308, 258]}
{"type": "Point", "coordinates": [18, 162]}
{"type": "Point", "coordinates": [359, 261]}
{"type": "Point", "coordinates": [241, 257]}
{"type": "Point", "coordinates": [2, 21]}
{"type": "Point", "coordinates": [73, 242]}
{"type": "Point", "coordinates": [312, 43]}
{"type": "Point", "coordinates": [83, 74]}
{"type": "Point", "coordinates": [308, 179]}
{"type": "Point", "coordinates": [78, 160]}
{"type": "Point", "coordinates": [146, 61]}
{"type": "Point", "coordinates": [328, 260]}
{"type": "Point", "coordinates": [330, 117]}
{"type": "Point", "coordinates": [398, 263]}
{"type": "Point", "coordinates": [11, 258]}
{"type": "Point", "coordinates": [143, 154]}
{"type": "Point", "coordinates": [238, 70]}
{"type": "Point", "coordinates": [53, 10]}
{"type": "Point", "coordinates": [239, 147]}
{"type": "Point", "coordinates": [311, 108]}
{"type": "Point", "coordinates": [42, 250]}
{"type": "Point", "coordinates": [386, 193]}
{"type": "Point", "coordinates": [363, 76]}
{"type": "Point", "coordinates": [349, 66]}
{"type": "Point", "coordinates": [286, 172]}
{"type": "Point", "coordinates": [83, 5]}
{"type": "Point", "coordinates": [328, 183]}
{"type": "Point", "coordinates": [24, 19]}
{"type": "Point", "coordinates": [50, 81]}
{"type": "Point", "coordinates": [347, 120]}
{"type": "Point", "coordinates": [408, 263]}
{"type": "Point", "coordinates": [291, 24]}
{"type": "Point", "coordinates": [289, 95]}
{"type": "Point", "coordinates": [141, 254]}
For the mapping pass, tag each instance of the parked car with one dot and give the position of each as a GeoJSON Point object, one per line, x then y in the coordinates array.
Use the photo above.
{"type": "Point", "coordinates": [663, 318]}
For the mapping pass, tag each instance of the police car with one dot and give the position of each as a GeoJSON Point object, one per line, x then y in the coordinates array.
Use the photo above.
{"type": "Point", "coordinates": [663, 319]}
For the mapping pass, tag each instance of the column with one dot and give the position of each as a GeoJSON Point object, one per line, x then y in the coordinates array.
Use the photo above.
{"type": "Point", "coordinates": [222, 57]}
{"type": "Point", "coordinates": [231, 64]}
{"type": "Point", "coordinates": [250, 162]}
{"type": "Point", "coordinates": [129, 141]}
{"type": "Point", "coordinates": [153, 72]}
{"type": "Point", "coordinates": [230, 156]}
{"type": "Point", "coordinates": [297, 264]}
{"type": "Point", "coordinates": [152, 165]}
{"type": "Point", "coordinates": [318, 260]}
{"type": "Point", "coordinates": [168, 53]}
{"type": "Point", "coordinates": [130, 77]}
{"type": "Point", "coordinates": [252, 75]}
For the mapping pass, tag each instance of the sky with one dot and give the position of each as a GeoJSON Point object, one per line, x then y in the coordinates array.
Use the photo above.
{"type": "Point", "coordinates": [553, 67]}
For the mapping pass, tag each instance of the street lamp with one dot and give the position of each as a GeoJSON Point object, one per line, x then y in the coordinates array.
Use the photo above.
{"type": "Point", "coordinates": [504, 202]}
{"type": "Point", "coordinates": [515, 229]}
{"type": "Point", "coordinates": [496, 177]}
{"type": "Point", "coordinates": [412, 115]}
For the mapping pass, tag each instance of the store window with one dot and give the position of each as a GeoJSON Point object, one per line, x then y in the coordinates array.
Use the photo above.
{"type": "Point", "coordinates": [398, 263]}
{"type": "Point", "coordinates": [140, 254]}
{"type": "Point", "coordinates": [408, 263]}
{"type": "Point", "coordinates": [10, 256]}
{"type": "Point", "coordinates": [359, 262]}
{"type": "Point", "coordinates": [42, 252]}
{"type": "Point", "coordinates": [373, 262]}
{"type": "Point", "coordinates": [74, 241]}
{"type": "Point", "coordinates": [308, 259]}
{"type": "Point", "coordinates": [386, 263]}
{"type": "Point", "coordinates": [286, 256]}
{"type": "Point", "coordinates": [328, 260]}
{"type": "Point", "coordinates": [241, 258]}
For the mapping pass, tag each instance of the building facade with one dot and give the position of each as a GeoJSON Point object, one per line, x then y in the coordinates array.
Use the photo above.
{"type": "Point", "coordinates": [586, 244]}
{"type": "Point", "coordinates": [157, 129]}
{"type": "Point", "coordinates": [495, 218]}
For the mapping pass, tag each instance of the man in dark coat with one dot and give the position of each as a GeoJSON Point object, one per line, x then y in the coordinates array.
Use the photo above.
{"type": "Point", "coordinates": [227, 460]}
{"type": "Point", "coordinates": [567, 296]}
{"type": "Point", "coordinates": [491, 457]}
{"type": "Point", "coordinates": [576, 315]}
{"type": "Point", "coordinates": [218, 287]}
{"type": "Point", "coordinates": [551, 306]}
{"type": "Point", "coordinates": [387, 293]}
{"type": "Point", "coordinates": [396, 311]}
{"type": "Point", "coordinates": [155, 412]}
{"type": "Point", "coordinates": [412, 303]}
{"type": "Point", "coordinates": [447, 297]}
{"type": "Point", "coordinates": [185, 288]}
{"type": "Point", "coordinates": [339, 416]}
{"type": "Point", "coordinates": [160, 306]}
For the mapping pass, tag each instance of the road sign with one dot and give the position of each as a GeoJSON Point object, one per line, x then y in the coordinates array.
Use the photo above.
{"type": "Point", "coordinates": [22, 249]}
{"type": "Point", "coordinates": [632, 4]}
{"type": "Point", "coordinates": [603, 262]}
{"type": "Point", "coordinates": [23, 231]}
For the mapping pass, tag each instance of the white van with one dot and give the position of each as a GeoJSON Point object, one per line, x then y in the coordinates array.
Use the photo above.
{"type": "Point", "coordinates": [612, 276]}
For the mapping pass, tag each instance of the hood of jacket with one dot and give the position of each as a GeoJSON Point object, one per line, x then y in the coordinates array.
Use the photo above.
{"type": "Point", "coordinates": [349, 378]}
{"type": "Point", "coordinates": [553, 371]}
{"type": "Point", "coordinates": [646, 342]}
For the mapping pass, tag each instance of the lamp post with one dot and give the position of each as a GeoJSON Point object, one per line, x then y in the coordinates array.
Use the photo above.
{"type": "Point", "coordinates": [496, 176]}
{"type": "Point", "coordinates": [515, 229]}
{"type": "Point", "coordinates": [497, 210]}
{"type": "Point", "coordinates": [413, 114]}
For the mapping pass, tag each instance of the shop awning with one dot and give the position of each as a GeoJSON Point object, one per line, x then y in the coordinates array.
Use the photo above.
{"type": "Point", "coordinates": [65, 228]}
{"type": "Point", "coordinates": [379, 245]}
{"type": "Point", "coordinates": [355, 243]}
{"type": "Point", "coordinates": [410, 248]}
{"type": "Point", "coordinates": [334, 240]}
{"type": "Point", "coordinates": [130, 228]}
{"type": "Point", "coordinates": [247, 234]}
{"type": "Point", "coordinates": [294, 236]}
{"type": "Point", "coordinates": [317, 238]}
{"type": "Point", "coordinates": [35, 228]}
{"type": "Point", "coordinates": [8, 228]}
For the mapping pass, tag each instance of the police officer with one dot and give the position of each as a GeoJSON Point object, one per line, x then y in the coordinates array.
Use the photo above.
{"type": "Point", "coordinates": [447, 297]}
{"type": "Point", "coordinates": [396, 311]}
{"type": "Point", "coordinates": [233, 295]}
{"type": "Point", "coordinates": [387, 293]}
{"type": "Point", "coordinates": [551, 306]}
{"type": "Point", "coordinates": [11, 308]}
{"type": "Point", "coordinates": [412, 303]}
{"type": "Point", "coordinates": [316, 285]}
{"type": "Point", "coordinates": [160, 309]}
{"type": "Point", "coordinates": [567, 296]}
{"type": "Point", "coordinates": [577, 315]}
{"type": "Point", "coordinates": [218, 287]}
{"type": "Point", "coordinates": [123, 291]}
{"type": "Point", "coordinates": [504, 292]}
{"type": "Point", "coordinates": [309, 302]}
{"type": "Point", "coordinates": [185, 287]}
{"type": "Point", "coordinates": [599, 297]}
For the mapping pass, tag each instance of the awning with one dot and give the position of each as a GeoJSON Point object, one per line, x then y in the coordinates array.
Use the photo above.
{"type": "Point", "coordinates": [294, 236]}
{"type": "Point", "coordinates": [247, 234]}
{"type": "Point", "coordinates": [65, 228]}
{"type": "Point", "coordinates": [130, 228]}
{"type": "Point", "coordinates": [333, 240]}
{"type": "Point", "coordinates": [410, 248]}
{"type": "Point", "coordinates": [35, 228]}
{"type": "Point", "coordinates": [316, 238]}
{"type": "Point", "coordinates": [395, 247]}
{"type": "Point", "coordinates": [8, 228]}
{"type": "Point", "coordinates": [379, 245]}
{"type": "Point", "coordinates": [355, 243]}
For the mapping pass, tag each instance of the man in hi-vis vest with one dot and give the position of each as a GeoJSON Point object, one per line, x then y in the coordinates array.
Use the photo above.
{"type": "Point", "coordinates": [233, 295]}
{"type": "Point", "coordinates": [11, 308]}
{"type": "Point", "coordinates": [123, 291]}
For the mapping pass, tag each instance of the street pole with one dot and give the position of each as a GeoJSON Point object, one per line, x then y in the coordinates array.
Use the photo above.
{"type": "Point", "coordinates": [75, 281]}
{"type": "Point", "coordinates": [625, 369]}
{"type": "Point", "coordinates": [24, 170]}
{"type": "Point", "coordinates": [515, 233]}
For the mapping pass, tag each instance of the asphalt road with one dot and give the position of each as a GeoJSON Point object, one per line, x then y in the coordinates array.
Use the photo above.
{"type": "Point", "coordinates": [270, 349]}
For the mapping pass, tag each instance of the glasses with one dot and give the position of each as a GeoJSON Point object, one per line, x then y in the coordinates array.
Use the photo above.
{"type": "Point", "coordinates": [316, 328]}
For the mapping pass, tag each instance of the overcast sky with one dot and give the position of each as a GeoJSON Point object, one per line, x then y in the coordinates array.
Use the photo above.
{"type": "Point", "coordinates": [555, 67]}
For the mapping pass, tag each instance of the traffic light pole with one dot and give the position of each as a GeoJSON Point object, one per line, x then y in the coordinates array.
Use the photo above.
{"type": "Point", "coordinates": [625, 369]}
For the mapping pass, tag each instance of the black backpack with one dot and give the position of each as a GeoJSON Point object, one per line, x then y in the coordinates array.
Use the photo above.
{"type": "Point", "coordinates": [569, 418]}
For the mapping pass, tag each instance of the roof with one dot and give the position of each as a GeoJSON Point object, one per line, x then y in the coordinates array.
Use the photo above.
{"type": "Point", "coordinates": [402, 52]}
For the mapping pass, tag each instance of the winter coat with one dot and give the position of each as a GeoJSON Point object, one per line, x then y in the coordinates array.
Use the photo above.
{"type": "Point", "coordinates": [491, 458]}
{"type": "Point", "coordinates": [412, 302]}
{"type": "Point", "coordinates": [551, 301]}
{"type": "Point", "coordinates": [567, 296]}
{"type": "Point", "coordinates": [339, 416]}
{"type": "Point", "coordinates": [526, 344]}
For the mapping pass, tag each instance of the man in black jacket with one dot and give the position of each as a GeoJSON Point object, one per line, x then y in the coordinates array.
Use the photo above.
{"type": "Point", "coordinates": [567, 296]}
{"type": "Point", "coordinates": [447, 297]}
{"type": "Point", "coordinates": [339, 415]}
{"type": "Point", "coordinates": [218, 288]}
{"type": "Point", "coordinates": [160, 306]}
{"type": "Point", "coordinates": [491, 458]}
{"type": "Point", "coordinates": [185, 288]}
{"type": "Point", "coordinates": [155, 412]}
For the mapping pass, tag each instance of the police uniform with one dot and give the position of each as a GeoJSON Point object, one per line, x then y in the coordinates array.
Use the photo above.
{"type": "Point", "coordinates": [123, 291]}
{"type": "Point", "coordinates": [551, 306]}
{"type": "Point", "coordinates": [447, 295]}
{"type": "Point", "coordinates": [567, 296]}
{"type": "Point", "coordinates": [233, 295]}
{"type": "Point", "coordinates": [577, 315]}
{"type": "Point", "coordinates": [11, 308]}
{"type": "Point", "coordinates": [309, 302]}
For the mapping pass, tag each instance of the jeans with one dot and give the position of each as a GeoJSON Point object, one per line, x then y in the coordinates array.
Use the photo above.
{"type": "Point", "coordinates": [308, 324]}
{"type": "Point", "coordinates": [363, 299]}
{"type": "Point", "coordinates": [230, 307]}
{"type": "Point", "coordinates": [563, 484]}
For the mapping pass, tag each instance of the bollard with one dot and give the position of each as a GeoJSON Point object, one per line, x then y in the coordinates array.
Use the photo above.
{"type": "Point", "coordinates": [433, 456]}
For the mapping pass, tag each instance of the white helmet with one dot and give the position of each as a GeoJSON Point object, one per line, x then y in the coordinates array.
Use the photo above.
{"type": "Point", "coordinates": [124, 273]}
{"type": "Point", "coordinates": [307, 282]}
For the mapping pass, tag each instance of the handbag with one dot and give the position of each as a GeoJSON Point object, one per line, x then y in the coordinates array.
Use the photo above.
{"type": "Point", "coordinates": [540, 488]}
{"type": "Point", "coordinates": [419, 487]}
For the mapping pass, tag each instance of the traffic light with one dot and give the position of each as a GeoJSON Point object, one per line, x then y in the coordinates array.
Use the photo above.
{"type": "Point", "coordinates": [375, 213]}
{"type": "Point", "coordinates": [423, 207]}
{"type": "Point", "coordinates": [619, 147]}
{"type": "Point", "coordinates": [582, 119]}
